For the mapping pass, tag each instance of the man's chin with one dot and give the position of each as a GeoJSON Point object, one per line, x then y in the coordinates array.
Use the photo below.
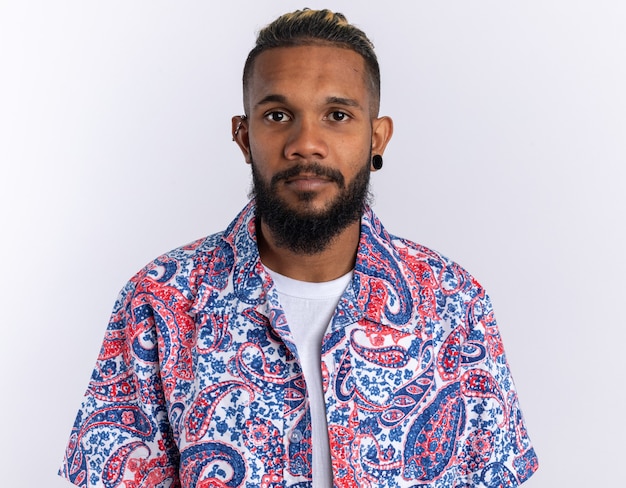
{"type": "Point", "coordinates": [308, 206]}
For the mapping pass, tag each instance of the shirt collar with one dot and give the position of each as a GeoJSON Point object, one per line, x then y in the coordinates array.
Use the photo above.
{"type": "Point", "coordinates": [378, 292]}
{"type": "Point", "coordinates": [380, 288]}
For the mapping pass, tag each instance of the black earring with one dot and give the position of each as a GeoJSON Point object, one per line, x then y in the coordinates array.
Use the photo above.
{"type": "Point", "coordinates": [377, 161]}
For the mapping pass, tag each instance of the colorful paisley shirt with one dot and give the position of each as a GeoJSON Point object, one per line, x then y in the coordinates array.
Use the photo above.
{"type": "Point", "coordinates": [198, 382]}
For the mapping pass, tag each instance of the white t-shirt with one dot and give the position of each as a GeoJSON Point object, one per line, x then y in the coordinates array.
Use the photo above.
{"type": "Point", "coordinates": [309, 307]}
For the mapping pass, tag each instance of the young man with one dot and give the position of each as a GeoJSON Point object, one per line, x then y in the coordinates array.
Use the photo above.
{"type": "Point", "coordinates": [304, 345]}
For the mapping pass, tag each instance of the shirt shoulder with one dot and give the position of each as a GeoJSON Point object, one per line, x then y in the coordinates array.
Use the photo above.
{"type": "Point", "coordinates": [210, 258]}
{"type": "Point", "coordinates": [439, 269]}
{"type": "Point", "coordinates": [180, 270]}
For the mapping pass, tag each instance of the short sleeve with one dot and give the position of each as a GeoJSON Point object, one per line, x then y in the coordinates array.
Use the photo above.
{"type": "Point", "coordinates": [495, 449]}
{"type": "Point", "coordinates": [121, 436]}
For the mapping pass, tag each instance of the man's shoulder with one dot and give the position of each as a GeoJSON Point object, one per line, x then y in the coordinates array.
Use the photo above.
{"type": "Point", "coordinates": [431, 265]}
{"type": "Point", "coordinates": [410, 261]}
{"type": "Point", "coordinates": [194, 250]}
{"type": "Point", "coordinates": [182, 266]}
{"type": "Point", "coordinates": [210, 260]}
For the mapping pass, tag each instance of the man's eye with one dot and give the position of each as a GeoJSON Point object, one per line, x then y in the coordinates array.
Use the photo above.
{"type": "Point", "coordinates": [277, 117]}
{"type": "Point", "coordinates": [338, 116]}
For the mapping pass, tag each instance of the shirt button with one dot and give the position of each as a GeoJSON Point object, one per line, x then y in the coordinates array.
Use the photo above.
{"type": "Point", "coordinates": [295, 436]}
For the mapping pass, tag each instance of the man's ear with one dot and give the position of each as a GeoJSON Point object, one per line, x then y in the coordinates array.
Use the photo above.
{"type": "Point", "coordinates": [239, 131]}
{"type": "Point", "coordinates": [382, 130]}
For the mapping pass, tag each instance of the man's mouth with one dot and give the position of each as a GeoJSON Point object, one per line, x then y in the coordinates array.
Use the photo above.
{"type": "Point", "coordinates": [310, 175]}
{"type": "Point", "coordinates": [307, 182]}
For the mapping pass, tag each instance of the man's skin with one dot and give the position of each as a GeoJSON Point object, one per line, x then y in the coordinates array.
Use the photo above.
{"type": "Point", "coordinates": [310, 104]}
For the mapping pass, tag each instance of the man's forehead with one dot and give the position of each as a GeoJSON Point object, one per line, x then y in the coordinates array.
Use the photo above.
{"type": "Point", "coordinates": [304, 55]}
{"type": "Point", "coordinates": [309, 67]}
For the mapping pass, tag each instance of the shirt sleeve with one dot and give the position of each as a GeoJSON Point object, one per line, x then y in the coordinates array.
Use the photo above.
{"type": "Point", "coordinates": [121, 436]}
{"type": "Point", "coordinates": [495, 448]}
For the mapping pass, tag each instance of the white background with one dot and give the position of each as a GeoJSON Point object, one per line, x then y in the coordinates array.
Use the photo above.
{"type": "Point", "coordinates": [509, 156]}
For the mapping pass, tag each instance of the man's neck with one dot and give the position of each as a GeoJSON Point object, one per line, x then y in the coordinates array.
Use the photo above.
{"type": "Point", "coordinates": [335, 260]}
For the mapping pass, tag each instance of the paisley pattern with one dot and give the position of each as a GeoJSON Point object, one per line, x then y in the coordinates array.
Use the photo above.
{"type": "Point", "coordinates": [198, 382]}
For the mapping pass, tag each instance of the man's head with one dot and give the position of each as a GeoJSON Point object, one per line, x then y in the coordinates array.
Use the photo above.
{"type": "Point", "coordinates": [316, 27]}
{"type": "Point", "coordinates": [311, 127]}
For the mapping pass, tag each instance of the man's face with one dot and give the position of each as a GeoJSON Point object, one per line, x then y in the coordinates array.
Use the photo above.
{"type": "Point", "coordinates": [309, 136]}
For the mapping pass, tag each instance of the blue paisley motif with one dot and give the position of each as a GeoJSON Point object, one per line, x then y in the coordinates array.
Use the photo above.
{"type": "Point", "coordinates": [142, 313]}
{"type": "Point", "coordinates": [344, 384]}
{"type": "Point", "coordinates": [75, 467]}
{"type": "Point", "coordinates": [168, 269]}
{"type": "Point", "coordinates": [221, 265]}
{"type": "Point", "coordinates": [195, 459]}
{"type": "Point", "coordinates": [431, 441]}
{"type": "Point", "coordinates": [407, 399]}
{"type": "Point", "coordinates": [126, 418]}
{"type": "Point", "coordinates": [248, 284]}
{"type": "Point", "coordinates": [525, 465]}
{"type": "Point", "coordinates": [497, 475]}
{"type": "Point", "coordinates": [473, 352]}
{"type": "Point", "coordinates": [375, 260]}
{"type": "Point", "coordinates": [332, 340]}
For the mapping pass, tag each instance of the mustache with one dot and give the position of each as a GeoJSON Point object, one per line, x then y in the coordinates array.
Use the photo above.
{"type": "Point", "coordinates": [309, 168]}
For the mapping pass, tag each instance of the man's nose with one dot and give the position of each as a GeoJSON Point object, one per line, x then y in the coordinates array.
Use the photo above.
{"type": "Point", "coordinates": [306, 141]}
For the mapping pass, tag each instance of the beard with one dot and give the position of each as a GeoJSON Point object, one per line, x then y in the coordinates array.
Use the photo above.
{"type": "Point", "coordinates": [310, 232]}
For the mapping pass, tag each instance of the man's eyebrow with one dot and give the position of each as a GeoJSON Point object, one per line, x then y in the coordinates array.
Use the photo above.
{"type": "Point", "coordinates": [274, 97]}
{"type": "Point", "coordinates": [271, 99]}
{"type": "Point", "coordinates": [348, 102]}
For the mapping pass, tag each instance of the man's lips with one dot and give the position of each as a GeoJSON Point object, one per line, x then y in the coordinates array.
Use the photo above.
{"type": "Point", "coordinates": [312, 174]}
{"type": "Point", "coordinates": [308, 182]}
